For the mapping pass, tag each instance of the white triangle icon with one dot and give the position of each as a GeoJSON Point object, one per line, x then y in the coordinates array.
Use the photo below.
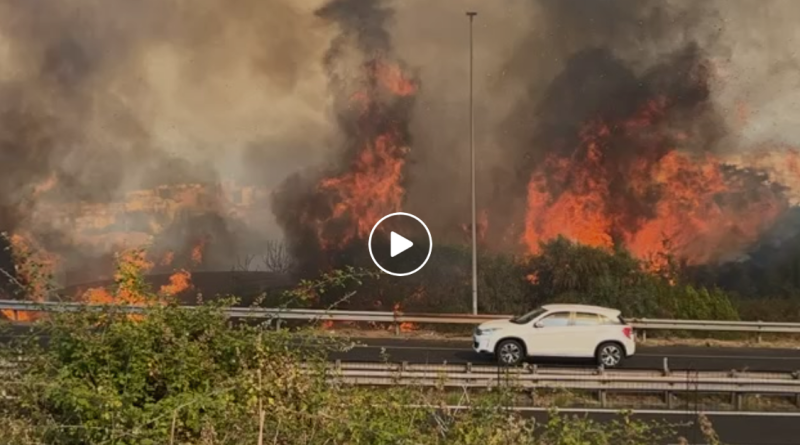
{"type": "Point", "coordinates": [398, 244]}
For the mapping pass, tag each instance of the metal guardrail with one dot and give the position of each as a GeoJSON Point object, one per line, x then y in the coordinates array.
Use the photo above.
{"type": "Point", "coordinates": [531, 378]}
{"type": "Point", "coordinates": [599, 381]}
{"type": "Point", "coordinates": [641, 325]}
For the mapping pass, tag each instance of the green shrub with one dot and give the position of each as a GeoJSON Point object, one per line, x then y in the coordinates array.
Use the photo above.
{"type": "Point", "coordinates": [191, 376]}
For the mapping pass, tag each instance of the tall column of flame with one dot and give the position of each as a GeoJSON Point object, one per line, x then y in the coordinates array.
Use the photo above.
{"type": "Point", "coordinates": [372, 185]}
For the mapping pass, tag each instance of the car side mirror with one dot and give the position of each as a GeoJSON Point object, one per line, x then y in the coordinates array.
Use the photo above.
{"type": "Point", "coordinates": [538, 324]}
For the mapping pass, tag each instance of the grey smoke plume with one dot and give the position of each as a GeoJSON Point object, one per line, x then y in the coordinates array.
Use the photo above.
{"type": "Point", "coordinates": [108, 97]}
{"type": "Point", "coordinates": [101, 98]}
{"type": "Point", "coordinates": [523, 47]}
{"type": "Point", "coordinates": [373, 118]}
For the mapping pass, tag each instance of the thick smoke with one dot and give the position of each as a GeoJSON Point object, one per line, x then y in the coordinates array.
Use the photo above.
{"type": "Point", "coordinates": [373, 95]}
{"type": "Point", "coordinates": [101, 98]}
{"type": "Point", "coordinates": [543, 69]}
{"type": "Point", "coordinates": [599, 60]}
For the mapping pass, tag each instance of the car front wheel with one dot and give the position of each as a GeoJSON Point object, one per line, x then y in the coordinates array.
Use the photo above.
{"type": "Point", "coordinates": [610, 354]}
{"type": "Point", "coordinates": [510, 352]}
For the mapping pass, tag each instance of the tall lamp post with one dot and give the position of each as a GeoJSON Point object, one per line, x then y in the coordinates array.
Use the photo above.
{"type": "Point", "coordinates": [471, 16]}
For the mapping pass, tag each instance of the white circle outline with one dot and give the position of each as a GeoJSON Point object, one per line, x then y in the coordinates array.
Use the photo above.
{"type": "Point", "coordinates": [430, 244]}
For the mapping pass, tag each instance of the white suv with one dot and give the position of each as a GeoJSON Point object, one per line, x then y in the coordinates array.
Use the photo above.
{"type": "Point", "coordinates": [558, 330]}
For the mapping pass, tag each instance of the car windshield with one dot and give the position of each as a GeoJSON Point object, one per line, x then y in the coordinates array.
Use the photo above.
{"type": "Point", "coordinates": [525, 318]}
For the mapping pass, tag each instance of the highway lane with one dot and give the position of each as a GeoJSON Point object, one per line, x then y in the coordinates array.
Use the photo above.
{"type": "Point", "coordinates": [732, 428]}
{"type": "Point", "coordinates": [679, 358]}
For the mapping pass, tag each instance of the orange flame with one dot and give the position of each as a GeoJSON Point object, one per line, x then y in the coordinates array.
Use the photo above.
{"type": "Point", "coordinates": [98, 295]}
{"type": "Point", "coordinates": [45, 186]}
{"type": "Point", "coordinates": [178, 282]}
{"type": "Point", "coordinates": [671, 203]}
{"type": "Point", "coordinates": [34, 270]}
{"type": "Point", "coordinates": [168, 258]}
{"type": "Point", "coordinates": [370, 191]}
{"type": "Point", "coordinates": [371, 187]}
{"type": "Point", "coordinates": [197, 251]}
{"type": "Point", "coordinates": [404, 326]}
{"type": "Point", "coordinates": [131, 264]}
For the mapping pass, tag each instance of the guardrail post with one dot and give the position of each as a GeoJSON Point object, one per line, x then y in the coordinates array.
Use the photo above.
{"type": "Point", "coordinates": [396, 322]}
{"type": "Point", "coordinates": [737, 400]}
{"type": "Point", "coordinates": [404, 366]}
{"type": "Point", "coordinates": [644, 335]}
{"type": "Point", "coordinates": [758, 336]}
{"type": "Point", "coordinates": [668, 399]}
{"type": "Point", "coordinates": [16, 315]}
{"type": "Point", "coordinates": [469, 367]}
{"type": "Point", "coordinates": [666, 366]}
{"type": "Point", "coordinates": [534, 368]}
{"type": "Point", "coordinates": [278, 324]}
{"type": "Point", "coordinates": [338, 365]}
{"type": "Point", "coordinates": [602, 397]}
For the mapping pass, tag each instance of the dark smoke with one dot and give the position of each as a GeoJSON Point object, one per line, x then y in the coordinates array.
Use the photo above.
{"type": "Point", "coordinates": [361, 23]}
{"type": "Point", "coordinates": [110, 97]}
{"type": "Point", "coordinates": [103, 98]}
{"type": "Point", "coordinates": [353, 64]}
{"type": "Point", "coordinates": [578, 63]}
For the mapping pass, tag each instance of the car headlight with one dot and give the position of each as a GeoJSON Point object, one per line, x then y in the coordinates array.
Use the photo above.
{"type": "Point", "coordinates": [486, 331]}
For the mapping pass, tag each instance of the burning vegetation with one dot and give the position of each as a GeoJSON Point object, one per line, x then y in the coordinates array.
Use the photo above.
{"type": "Point", "coordinates": [324, 214]}
{"type": "Point", "coordinates": [612, 142]}
{"type": "Point", "coordinates": [640, 172]}
{"type": "Point", "coordinates": [371, 187]}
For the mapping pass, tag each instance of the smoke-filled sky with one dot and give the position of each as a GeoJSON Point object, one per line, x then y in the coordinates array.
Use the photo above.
{"type": "Point", "coordinates": [116, 95]}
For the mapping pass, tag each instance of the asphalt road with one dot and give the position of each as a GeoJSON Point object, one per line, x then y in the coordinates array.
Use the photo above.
{"type": "Point", "coordinates": [679, 358]}
{"type": "Point", "coordinates": [732, 428]}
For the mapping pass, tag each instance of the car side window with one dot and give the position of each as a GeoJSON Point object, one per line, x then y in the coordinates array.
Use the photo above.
{"type": "Point", "coordinates": [587, 319]}
{"type": "Point", "coordinates": [555, 320]}
{"type": "Point", "coordinates": [605, 320]}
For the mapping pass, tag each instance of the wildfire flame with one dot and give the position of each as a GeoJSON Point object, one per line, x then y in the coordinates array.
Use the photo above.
{"type": "Point", "coordinates": [34, 269]}
{"type": "Point", "coordinates": [404, 326]}
{"type": "Point", "coordinates": [168, 258]}
{"type": "Point", "coordinates": [660, 202]}
{"type": "Point", "coordinates": [197, 251]}
{"type": "Point", "coordinates": [45, 186]}
{"type": "Point", "coordinates": [131, 264]}
{"type": "Point", "coordinates": [371, 187]}
{"type": "Point", "coordinates": [178, 282]}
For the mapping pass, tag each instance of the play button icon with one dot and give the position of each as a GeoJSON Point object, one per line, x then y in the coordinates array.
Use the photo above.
{"type": "Point", "coordinates": [400, 244]}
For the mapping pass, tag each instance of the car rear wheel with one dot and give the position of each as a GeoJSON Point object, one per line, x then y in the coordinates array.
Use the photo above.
{"type": "Point", "coordinates": [510, 352]}
{"type": "Point", "coordinates": [610, 354]}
